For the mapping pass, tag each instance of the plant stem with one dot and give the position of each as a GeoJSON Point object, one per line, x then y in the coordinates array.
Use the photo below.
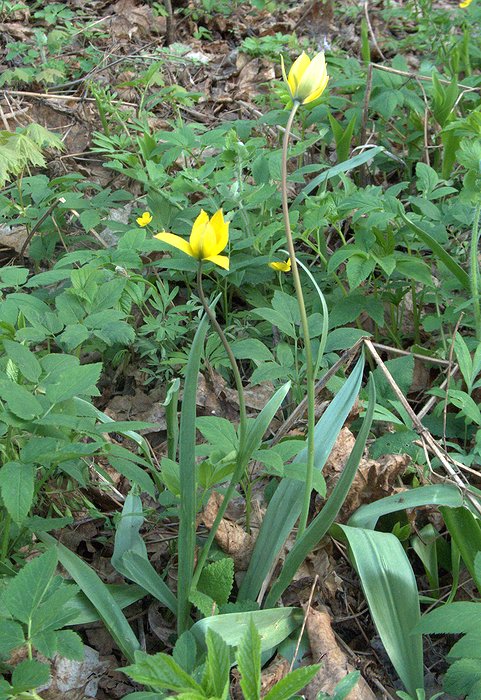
{"type": "Point", "coordinates": [475, 271]}
{"type": "Point", "coordinates": [311, 419]}
{"type": "Point", "coordinates": [242, 459]}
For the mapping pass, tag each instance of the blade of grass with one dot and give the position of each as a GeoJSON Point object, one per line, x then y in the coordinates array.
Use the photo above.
{"type": "Point", "coordinates": [322, 522]}
{"type": "Point", "coordinates": [98, 594]}
{"type": "Point", "coordinates": [285, 505]}
{"type": "Point", "coordinates": [390, 588]}
{"type": "Point", "coordinates": [465, 530]}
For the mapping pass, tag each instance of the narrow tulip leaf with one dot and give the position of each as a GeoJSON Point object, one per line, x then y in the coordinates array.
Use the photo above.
{"type": "Point", "coordinates": [98, 594]}
{"type": "Point", "coordinates": [273, 626]}
{"type": "Point", "coordinates": [322, 522]}
{"type": "Point", "coordinates": [439, 252]}
{"type": "Point", "coordinates": [389, 585]}
{"type": "Point", "coordinates": [465, 530]}
{"type": "Point", "coordinates": [261, 423]}
{"type": "Point", "coordinates": [187, 472]}
{"type": "Point", "coordinates": [285, 506]}
{"type": "Point", "coordinates": [437, 494]}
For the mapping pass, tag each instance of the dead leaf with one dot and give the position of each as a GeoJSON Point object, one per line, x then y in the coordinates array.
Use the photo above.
{"type": "Point", "coordinates": [75, 679]}
{"type": "Point", "coordinates": [13, 239]}
{"type": "Point", "coordinates": [335, 665]}
{"type": "Point", "coordinates": [142, 407]}
{"type": "Point", "coordinates": [133, 20]}
{"type": "Point", "coordinates": [230, 536]}
{"type": "Point", "coordinates": [272, 674]}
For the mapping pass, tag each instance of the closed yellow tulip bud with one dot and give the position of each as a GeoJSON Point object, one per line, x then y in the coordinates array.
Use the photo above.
{"type": "Point", "coordinates": [466, 3]}
{"type": "Point", "coordinates": [307, 79]}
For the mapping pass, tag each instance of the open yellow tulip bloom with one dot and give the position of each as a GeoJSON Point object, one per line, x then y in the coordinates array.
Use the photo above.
{"type": "Point", "coordinates": [207, 239]}
{"type": "Point", "coordinates": [145, 219]}
{"type": "Point", "coordinates": [466, 3]}
{"type": "Point", "coordinates": [307, 79]}
{"type": "Point", "coordinates": [281, 266]}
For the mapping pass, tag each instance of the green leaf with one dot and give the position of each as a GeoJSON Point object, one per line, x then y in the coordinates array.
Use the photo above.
{"type": "Point", "coordinates": [285, 506]}
{"type": "Point", "coordinates": [442, 255]}
{"type": "Point", "coordinates": [451, 618]}
{"type": "Point", "coordinates": [465, 530]}
{"type": "Point", "coordinates": [322, 522]}
{"type": "Point", "coordinates": [17, 481]}
{"type": "Point", "coordinates": [188, 506]}
{"type": "Point", "coordinates": [70, 645]}
{"type": "Point", "coordinates": [160, 671]}
{"type": "Point", "coordinates": [28, 675]}
{"type": "Point", "coordinates": [390, 588]}
{"type": "Point", "coordinates": [217, 579]}
{"type": "Point", "coordinates": [83, 612]}
{"type": "Point", "coordinates": [11, 637]}
{"type": "Point", "coordinates": [140, 570]}
{"type": "Point", "coordinates": [438, 494]}
{"type": "Point", "coordinates": [463, 678]}
{"type": "Point", "coordinates": [26, 591]}
{"type": "Point", "coordinates": [25, 360]}
{"type": "Point", "coordinates": [273, 626]}
{"type": "Point", "coordinates": [217, 667]}
{"type": "Point", "coordinates": [20, 401]}
{"type": "Point", "coordinates": [249, 662]}
{"type": "Point", "coordinates": [292, 683]}
{"type": "Point", "coordinates": [98, 594]}
{"type": "Point", "coordinates": [75, 381]}
{"type": "Point", "coordinates": [251, 349]}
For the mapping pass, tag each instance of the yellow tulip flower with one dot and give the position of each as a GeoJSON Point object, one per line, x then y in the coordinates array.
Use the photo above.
{"type": "Point", "coordinates": [281, 266]}
{"type": "Point", "coordinates": [145, 219]}
{"type": "Point", "coordinates": [307, 79]}
{"type": "Point", "coordinates": [466, 3]}
{"type": "Point", "coordinates": [208, 237]}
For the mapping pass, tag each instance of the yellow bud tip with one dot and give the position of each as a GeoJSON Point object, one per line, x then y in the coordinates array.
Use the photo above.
{"type": "Point", "coordinates": [465, 3]}
{"type": "Point", "coordinates": [145, 219]}
{"type": "Point", "coordinates": [281, 266]}
{"type": "Point", "coordinates": [307, 79]}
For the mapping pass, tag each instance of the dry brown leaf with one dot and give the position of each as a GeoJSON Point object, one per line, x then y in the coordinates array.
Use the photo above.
{"type": "Point", "coordinates": [335, 665]}
{"type": "Point", "coordinates": [374, 479]}
{"type": "Point", "coordinates": [230, 536]}
{"type": "Point", "coordinates": [14, 239]}
{"type": "Point", "coordinates": [272, 674]}
{"type": "Point", "coordinates": [142, 407]}
{"type": "Point", "coordinates": [134, 20]}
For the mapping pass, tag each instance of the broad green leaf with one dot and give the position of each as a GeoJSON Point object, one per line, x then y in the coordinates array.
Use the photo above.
{"type": "Point", "coordinates": [292, 683]}
{"type": "Point", "coordinates": [322, 522]}
{"type": "Point", "coordinates": [452, 618]}
{"type": "Point", "coordinates": [11, 636]}
{"type": "Point", "coordinates": [98, 594]}
{"type": "Point", "coordinates": [160, 671]}
{"type": "Point", "coordinates": [217, 667]}
{"type": "Point", "coordinates": [273, 626]}
{"type": "Point", "coordinates": [20, 401]}
{"type": "Point", "coordinates": [285, 506]}
{"type": "Point", "coordinates": [26, 591]}
{"type": "Point", "coordinates": [17, 482]}
{"type": "Point", "coordinates": [217, 579]}
{"type": "Point", "coordinates": [80, 380]}
{"type": "Point", "coordinates": [389, 585]}
{"type": "Point", "coordinates": [438, 494]}
{"type": "Point", "coordinates": [70, 645]}
{"type": "Point", "coordinates": [28, 675]}
{"type": "Point", "coordinates": [463, 678]}
{"type": "Point", "coordinates": [251, 349]}
{"type": "Point", "coordinates": [25, 360]}
{"type": "Point", "coordinates": [248, 659]}
{"type": "Point", "coordinates": [123, 595]}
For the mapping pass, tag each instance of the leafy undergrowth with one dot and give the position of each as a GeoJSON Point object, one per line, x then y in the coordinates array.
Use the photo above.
{"type": "Point", "coordinates": [213, 485]}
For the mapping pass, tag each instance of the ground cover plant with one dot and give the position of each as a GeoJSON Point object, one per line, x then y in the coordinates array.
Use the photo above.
{"type": "Point", "coordinates": [240, 358]}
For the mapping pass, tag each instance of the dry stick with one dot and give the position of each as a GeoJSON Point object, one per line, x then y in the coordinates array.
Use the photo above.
{"type": "Point", "coordinates": [371, 31]}
{"type": "Point", "coordinates": [450, 360]}
{"type": "Point", "coordinates": [398, 351]}
{"type": "Point", "coordinates": [169, 28]}
{"type": "Point", "coordinates": [303, 626]}
{"type": "Point", "coordinates": [300, 409]}
{"type": "Point", "coordinates": [365, 115]}
{"type": "Point", "coordinates": [37, 225]}
{"type": "Point", "coordinates": [445, 459]}
{"type": "Point", "coordinates": [426, 78]}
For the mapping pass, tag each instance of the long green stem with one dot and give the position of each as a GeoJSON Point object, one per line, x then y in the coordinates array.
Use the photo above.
{"type": "Point", "coordinates": [475, 271]}
{"type": "Point", "coordinates": [242, 459]}
{"type": "Point", "coordinates": [311, 419]}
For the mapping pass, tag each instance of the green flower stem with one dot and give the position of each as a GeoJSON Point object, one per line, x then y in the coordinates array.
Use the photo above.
{"type": "Point", "coordinates": [475, 271]}
{"type": "Point", "coordinates": [311, 418]}
{"type": "Point", "coordinates": [242, 459]}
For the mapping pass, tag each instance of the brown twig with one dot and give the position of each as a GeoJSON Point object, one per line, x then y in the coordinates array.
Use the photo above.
{"type": "Point", "coordinates": [169, 27]}
{"type": "Point", "coordinates": [37, 225]}
{"type": "Point", "coordinates": [371, 31]}
{"type": "Point", "coordinates": [426, 78]}
{"type": "Point", "coordinates": [303, 626]}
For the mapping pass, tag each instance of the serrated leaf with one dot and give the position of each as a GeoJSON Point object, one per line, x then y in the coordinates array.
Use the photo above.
{"type": "Point", "coordinates": [160, 671]}
{"type": "Point", "coordinates": [19, 400]}
{"type": "Point", "coordinates": [76, 381]}
{"type": "Point", "coordinates": [25, 592]}
{"type": "Point", "coordinates": [185, 651]}
{"type": "Point", "coordinates": [292, 683]}
{"type": "Point", "coordinates": [464, 678]}
{"type": "Point", "coordinates": [70, 645]}
{"type": "Point", "coordinates": [25, 360]}
{"type": "Point", "coordinates": [204, 603]}
{"type": "Point", "coordinates": [249, 662]}
{"type": "Point", "coordinates": [11, 636]}
{"type": "Point", "coordinates": [17, 481]}
{"type": "Point", "coordinates": [217, 667]}
{"type": "Point", "coordinates": [217, 579]}
{"type": "Point", "coordinates": [28, 675]}
{"type": "Point", "coordinates": [45, 643]}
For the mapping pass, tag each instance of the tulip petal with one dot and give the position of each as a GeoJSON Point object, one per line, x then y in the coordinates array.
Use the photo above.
{"type": "Point", "coordinates": [466, 3]}
{"type": "Point", "coordinates": [220, 260]}
{"type": "Point", "coordinates": [284, 75]}
{"type": "Point", "coordinates": [176, 242]}
{"type": "Point", "coordinates": [312, 77]}
{"type": "Point", "coordinates": [221, 230]}
{"type": "Point", "coordinates": [298, 68]}
{"type": "Point", "coordinates": [317, 93]}
{"type": "Point", "coordinates": [199, 233]}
